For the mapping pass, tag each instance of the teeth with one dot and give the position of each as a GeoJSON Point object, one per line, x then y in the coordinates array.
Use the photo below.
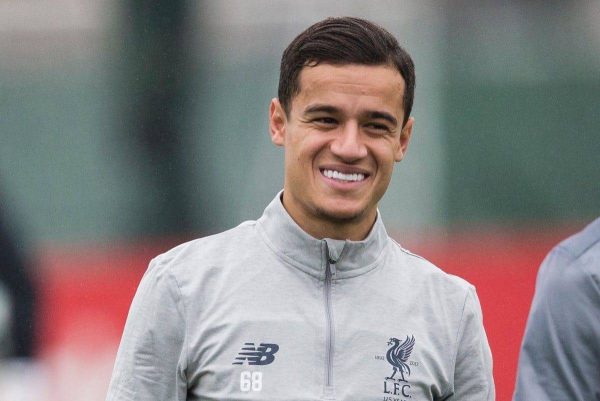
{"type": "Point", "coordinates": [336, 175]}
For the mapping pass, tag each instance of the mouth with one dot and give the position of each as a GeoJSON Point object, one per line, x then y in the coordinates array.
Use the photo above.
{"type": "Point", "coordinates": [344, 176]}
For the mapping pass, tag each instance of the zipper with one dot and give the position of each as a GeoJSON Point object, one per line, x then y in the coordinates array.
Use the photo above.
{"type": "Point", "coordinates": [329, 334]}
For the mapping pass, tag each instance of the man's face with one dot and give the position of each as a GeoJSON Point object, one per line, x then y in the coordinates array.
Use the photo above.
{"type": "Point", "coordinates": [342, 137]}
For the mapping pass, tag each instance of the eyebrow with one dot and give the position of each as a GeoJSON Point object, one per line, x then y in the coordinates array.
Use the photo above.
{"type": "Point", "coordinates": [385, 116]}
{"type": "Point", "coordinates": [321, 108]}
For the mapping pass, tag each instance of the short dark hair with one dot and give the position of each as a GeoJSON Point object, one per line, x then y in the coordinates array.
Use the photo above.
{"type": "Point", "coordinates": [340, 41]}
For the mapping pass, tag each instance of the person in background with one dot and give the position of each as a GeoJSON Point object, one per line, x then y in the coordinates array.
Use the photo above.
{"type": "Point", "coordinates": [17, 293]}
{"type": "Point", "coordinates": [313, 301]}
{"type": "Point", "coordinates": [560, 354]}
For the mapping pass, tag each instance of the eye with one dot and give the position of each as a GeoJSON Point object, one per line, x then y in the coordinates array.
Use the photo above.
{"type": "Point", "coordinates": [377, 127]}
{"type": "Point", "coordinates": [325, 123]}
{"type": "Point", "coordinates": [325, 120]}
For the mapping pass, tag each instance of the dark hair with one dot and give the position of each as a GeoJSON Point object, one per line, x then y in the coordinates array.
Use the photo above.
{"type": "Point", "coordinates": [340, 41]}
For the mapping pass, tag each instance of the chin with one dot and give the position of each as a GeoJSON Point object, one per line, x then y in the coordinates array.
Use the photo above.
{"type": "Point", "coordinates": [341, 215]}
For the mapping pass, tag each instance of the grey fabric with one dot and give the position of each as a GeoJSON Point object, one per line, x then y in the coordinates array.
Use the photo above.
{"type": "Point", "coordinates": [205, 306]}
{"type": "Point", "coordinates": [560, 355]}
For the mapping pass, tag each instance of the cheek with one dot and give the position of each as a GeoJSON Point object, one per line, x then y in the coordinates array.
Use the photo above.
{"type": "Point", "coordinates": [385, 157]}
{"type": "Point", "coordinates": [306, 149]}
{"type": "Point", "coordinates": [298, 157]}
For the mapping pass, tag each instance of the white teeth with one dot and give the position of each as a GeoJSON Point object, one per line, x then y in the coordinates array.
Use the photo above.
{"type": "Point", "coordinates": [336, 175]}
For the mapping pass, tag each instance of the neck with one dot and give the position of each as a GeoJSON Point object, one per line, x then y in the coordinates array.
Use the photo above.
{"type": "Point", "coordinates": [319, 225]}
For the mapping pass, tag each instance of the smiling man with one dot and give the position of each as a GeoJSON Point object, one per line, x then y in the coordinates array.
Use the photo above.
{"type": "Point", "coordinates": [313, 301]}
{"type": "Point", "coordinates": [342, 134]}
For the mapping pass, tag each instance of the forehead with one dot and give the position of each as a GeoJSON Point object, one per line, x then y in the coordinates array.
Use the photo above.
{"type": "Point", "coordinates": [381, 84]}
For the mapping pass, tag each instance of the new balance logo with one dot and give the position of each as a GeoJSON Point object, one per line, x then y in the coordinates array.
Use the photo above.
{"type": "Point", "coordinates": [264, 354]}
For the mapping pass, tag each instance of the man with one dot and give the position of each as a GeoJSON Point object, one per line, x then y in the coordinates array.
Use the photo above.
{"type": "Point", "coordinates": [560, 355]}
{"type": "Point", "coordinates": [313, 300]}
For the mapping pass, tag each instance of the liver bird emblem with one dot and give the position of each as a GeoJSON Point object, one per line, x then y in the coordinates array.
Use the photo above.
{"type": "Point", "coordinates": [398, 355]}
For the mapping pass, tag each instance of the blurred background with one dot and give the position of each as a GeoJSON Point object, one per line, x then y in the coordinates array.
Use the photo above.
{"type": "Point", "coordinates": [128, 127]}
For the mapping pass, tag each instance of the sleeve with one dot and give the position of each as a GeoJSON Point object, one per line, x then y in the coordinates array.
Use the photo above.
{"type": "Point", "coordinates": [151, 360]}
{"type": "Point", "coordinates": [473, 379]}
{"type": "Point", "coordinates": [560, 357]}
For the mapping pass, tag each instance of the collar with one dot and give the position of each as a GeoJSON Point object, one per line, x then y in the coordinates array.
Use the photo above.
{"type": "Point", "coordinates": [309, 254]}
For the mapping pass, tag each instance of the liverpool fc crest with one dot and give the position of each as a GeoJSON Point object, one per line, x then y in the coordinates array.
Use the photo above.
{"type": "Point", "coordinates": [398, 354]}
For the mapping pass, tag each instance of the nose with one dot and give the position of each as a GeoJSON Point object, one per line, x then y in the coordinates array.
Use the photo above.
{"type": "Point", "coordinates": [348, 144]}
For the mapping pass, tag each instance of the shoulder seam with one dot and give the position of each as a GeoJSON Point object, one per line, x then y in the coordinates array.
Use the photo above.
{"type": "Point", "coordinates": [458, 332]}
{"type": "Point", "coordinates": [185, 344]}
{"type": "Point", "coordinates": [406, 251]}
{"type": "Point", "coordinates": [576, 255]}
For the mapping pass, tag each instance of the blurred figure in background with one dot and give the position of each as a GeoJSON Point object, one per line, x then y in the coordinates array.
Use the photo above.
{"type": "Point", "coordinates": [17, 297]}
{"type": "Point", "coordinates": [560, 355]}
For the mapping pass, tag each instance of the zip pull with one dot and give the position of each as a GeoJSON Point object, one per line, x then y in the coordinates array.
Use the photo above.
{"type": "Point", "coordinates": [333, 251]}
{"type": "Point", "coordinates": [332, 258]}
{"type": "Point", "coordinates": [331, 268]}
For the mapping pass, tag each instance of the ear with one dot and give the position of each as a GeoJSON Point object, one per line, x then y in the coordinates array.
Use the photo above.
{"type": "Point", "coordinates": [277, 122]}
{"type": "Point", "coordinates": [404, 139]}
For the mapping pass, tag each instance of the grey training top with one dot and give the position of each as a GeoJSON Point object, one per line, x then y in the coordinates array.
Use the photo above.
{"type": "Point", "coordinates": [266, 312]}
{"type": "Point", "coordinates": [560, 355]}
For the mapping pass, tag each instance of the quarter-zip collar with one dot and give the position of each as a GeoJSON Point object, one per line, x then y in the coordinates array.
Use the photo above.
{"type": "Point", "coordinates": [293, 244]}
